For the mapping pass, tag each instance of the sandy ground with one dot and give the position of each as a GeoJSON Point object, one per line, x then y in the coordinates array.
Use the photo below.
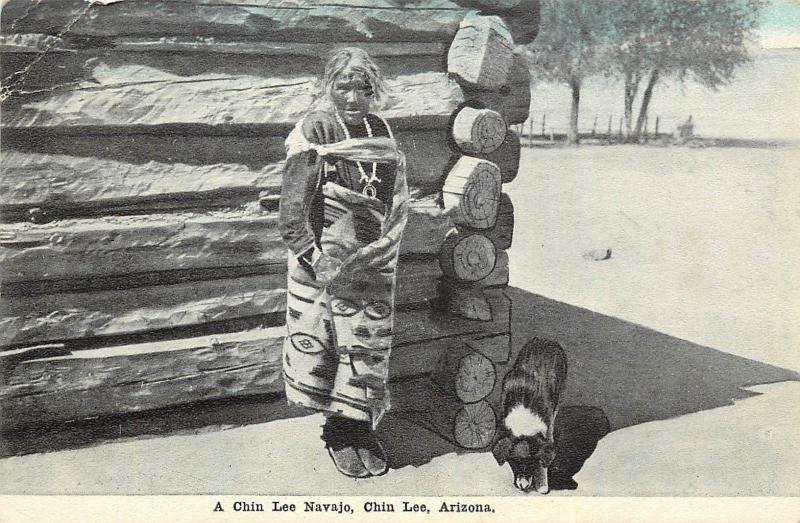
{"type": "Point", "coordinates": [728, 451]}
{"type": "Point", "coordinates": [704, 241]}
{"type": "Point", "coordinates": [684, 345]}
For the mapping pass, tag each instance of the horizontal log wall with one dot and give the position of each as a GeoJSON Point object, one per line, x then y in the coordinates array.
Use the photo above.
{"type": "Point", "coordinates": [106, 175]}
{"type": "Point", "coordinates": [117, 245]}
{"type": "Point", "coordinates": [70, 185]}
{"type": "Point", "coordinates": [296, 21]}
{"type": "Point", "coordinates": [133, 98]}
{"type": "Point", "coordinates": [121, 307]}
{"type": "Point", "coordinates": [140, 377]}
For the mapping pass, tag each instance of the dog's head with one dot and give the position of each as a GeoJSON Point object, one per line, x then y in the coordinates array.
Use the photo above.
{"type": "Point", "coordinates": [529, 457]}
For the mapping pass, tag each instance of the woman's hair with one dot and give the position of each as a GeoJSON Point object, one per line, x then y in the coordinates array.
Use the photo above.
{"type": "Point", "coordinates": [358, 61]}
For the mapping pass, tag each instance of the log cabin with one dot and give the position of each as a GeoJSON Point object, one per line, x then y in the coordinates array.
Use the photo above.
{"type": "Point", "coordinates": [142, 152]}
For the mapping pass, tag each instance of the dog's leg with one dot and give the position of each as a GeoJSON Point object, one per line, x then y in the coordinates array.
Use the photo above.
{"type": "Point", "coordinates": [551, 426]}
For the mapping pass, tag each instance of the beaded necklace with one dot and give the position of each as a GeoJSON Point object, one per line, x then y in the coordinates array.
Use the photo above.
{"type": "Point", "coordinates": [369, 189]}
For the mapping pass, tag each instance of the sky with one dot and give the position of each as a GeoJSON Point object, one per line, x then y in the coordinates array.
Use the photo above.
{"type": "Point", "coordinates": [780, 24]}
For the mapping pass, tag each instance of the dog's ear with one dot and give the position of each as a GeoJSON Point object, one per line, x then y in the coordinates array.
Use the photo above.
{"type": "Point", "coordinates": [547, 453]}
{"type": "Point", "coordinates": [501, 450]}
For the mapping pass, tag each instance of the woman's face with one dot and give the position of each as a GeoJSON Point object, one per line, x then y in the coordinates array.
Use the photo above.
{"type": "Point", "coordinates": [352, 95]}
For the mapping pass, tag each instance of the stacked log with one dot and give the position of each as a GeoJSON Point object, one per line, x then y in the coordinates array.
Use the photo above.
{"type": "Point", "coordinates": [456, 402]}
{"type": "Point", "coordinates": [467, 378]}
{"type": "Point", "coordinates": [470, 426]}
{"type": "Point", "coordinates": [141, 174]}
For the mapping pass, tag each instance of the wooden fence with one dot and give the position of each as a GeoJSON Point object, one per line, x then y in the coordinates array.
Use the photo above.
{"type": "Point", "coordinates": [611, 129]}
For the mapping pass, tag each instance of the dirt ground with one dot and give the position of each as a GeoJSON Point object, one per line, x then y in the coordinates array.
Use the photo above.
{"type": "Point", "coordinates": [684, 348]}
{"type": "Point", "coordinates": [703, 241]}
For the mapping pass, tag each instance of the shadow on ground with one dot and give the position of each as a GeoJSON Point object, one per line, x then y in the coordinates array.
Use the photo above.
{"type": "Point", "coordinates": [620, 374]}
{"type": "Point", "coordinates": [632, 373]}
{"type": "Point", "coordinates": [184, 419]}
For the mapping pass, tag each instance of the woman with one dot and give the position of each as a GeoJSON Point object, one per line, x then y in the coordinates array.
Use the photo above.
{"type": "Point", "coordinates": [342, 213]}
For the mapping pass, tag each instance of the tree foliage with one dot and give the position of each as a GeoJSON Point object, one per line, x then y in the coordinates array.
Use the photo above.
{"type": "Point", "coordinates": [642, 42]}
{"type": "Point", "coordinates": [702, 40]}
{"type": "Point", "coordinates": [571, 46]}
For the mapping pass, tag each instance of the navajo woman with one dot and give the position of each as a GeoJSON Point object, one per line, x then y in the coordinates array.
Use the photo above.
{"type": "Point", "coordinates": [342, 212]}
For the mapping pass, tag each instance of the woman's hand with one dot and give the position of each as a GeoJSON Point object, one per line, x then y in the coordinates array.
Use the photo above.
{"type": "Point", "coordinates": [374, 256]}
{"type": "Point", "coordinates": [326, 268]}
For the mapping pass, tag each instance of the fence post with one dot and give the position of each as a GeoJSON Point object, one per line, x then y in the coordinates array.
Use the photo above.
{"type": "Point", "coordinates": [655, 134]}
{"type": "Point", "coordinates": [530, 131]}
{"type": "Point", "coordinates": [645, 128]}
{"type": "Point", "coordinates": [608, 134]}
{"type": "Point", "coordinates": [594, 126]}
{"type": "Point", "coordinates": [544, 121]}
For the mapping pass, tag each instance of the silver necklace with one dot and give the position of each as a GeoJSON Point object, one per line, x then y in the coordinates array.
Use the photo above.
{"type": "Point", "coordinates": [369, 189]}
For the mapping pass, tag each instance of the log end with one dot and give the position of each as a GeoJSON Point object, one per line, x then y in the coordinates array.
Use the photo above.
{"type": "Point", "coordinates": [471, 193]}
{"type": "Point", "coordinates": [475, 425]}
{"type": "Point", "coordinates": [468, 258]}
{"type": "Point", "coordinates": [469, 304]}
{"type": "Point", "coordinates": [479, 131]}
{"type": "Point", "coordinates": [482, 52]}
{"type": "Point", "coordinates": [475, 377]}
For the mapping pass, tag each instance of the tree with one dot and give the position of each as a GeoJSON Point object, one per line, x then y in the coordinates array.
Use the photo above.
{"type": "Point", "coordinates": [634, 32]}
{"type": "Point", "coordinates": [571, 46]}
{"type": "Point", "coordinates": [703, 40]}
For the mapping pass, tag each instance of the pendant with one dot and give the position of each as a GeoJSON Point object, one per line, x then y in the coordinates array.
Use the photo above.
{"type": "Point", "coordinates": [369, 190]}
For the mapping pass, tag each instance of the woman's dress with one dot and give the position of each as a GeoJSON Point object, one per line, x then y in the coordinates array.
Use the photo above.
{"type": "Point", "coordinates": [336, 353]}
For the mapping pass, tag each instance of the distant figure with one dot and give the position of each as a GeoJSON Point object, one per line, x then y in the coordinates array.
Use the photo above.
{"type": "Point", "coordinates": [685, 131]}
{"type": "Point", "coordinates": [343, 207]}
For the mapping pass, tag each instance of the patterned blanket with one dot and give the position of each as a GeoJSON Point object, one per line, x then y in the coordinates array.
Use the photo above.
{"type": "Point", "coordinates": [336, 354]}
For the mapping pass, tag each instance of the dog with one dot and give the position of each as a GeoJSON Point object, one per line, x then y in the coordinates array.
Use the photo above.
{"type": "Point", "coordinates": [531, 392]}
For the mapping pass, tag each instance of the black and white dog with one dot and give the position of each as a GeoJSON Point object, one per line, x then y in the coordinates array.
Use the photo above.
{"type": "Point", "coordinates": [531, 392]}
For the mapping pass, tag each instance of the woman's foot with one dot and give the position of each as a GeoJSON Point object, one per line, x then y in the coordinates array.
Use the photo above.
{"type": "Point", "coordinates": [374, 457]}
{"type": "Point", "coordinates": [354, 448]}
{"type": "Point", "coordinates": [348, 462]}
